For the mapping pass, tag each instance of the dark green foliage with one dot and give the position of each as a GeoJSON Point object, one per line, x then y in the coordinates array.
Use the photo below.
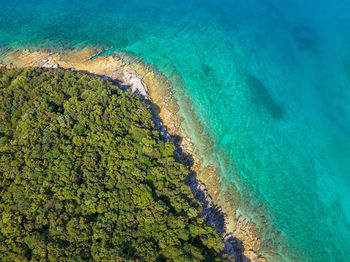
{"type": "Point", "coordinates": [84, 175]}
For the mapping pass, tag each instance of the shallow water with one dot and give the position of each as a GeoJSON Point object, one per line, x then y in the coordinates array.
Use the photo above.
{"type": "Point", "coordinates": [269, 81]}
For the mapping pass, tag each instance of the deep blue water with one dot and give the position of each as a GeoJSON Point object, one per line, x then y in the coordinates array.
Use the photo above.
{"type": "Point", "coordinates": [269, 81]}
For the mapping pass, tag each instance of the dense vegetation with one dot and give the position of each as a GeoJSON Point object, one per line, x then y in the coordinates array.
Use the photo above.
{"type": "Point", "coordinates": [85, 176]}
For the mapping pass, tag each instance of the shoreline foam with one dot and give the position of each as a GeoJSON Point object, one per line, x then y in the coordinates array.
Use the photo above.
{"type": "Point", "coordinates": [240, 237]}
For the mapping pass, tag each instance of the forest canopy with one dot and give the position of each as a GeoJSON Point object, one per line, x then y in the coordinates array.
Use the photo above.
{"type": "Point", "coordinates": [86, 176]}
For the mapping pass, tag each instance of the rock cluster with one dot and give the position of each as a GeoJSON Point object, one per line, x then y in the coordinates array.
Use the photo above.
{"type": "Point", "coordinates": [214, 216]}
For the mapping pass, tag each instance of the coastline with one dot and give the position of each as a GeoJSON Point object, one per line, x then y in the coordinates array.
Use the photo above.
{"type": "Point", "coordinates": [241, 238]}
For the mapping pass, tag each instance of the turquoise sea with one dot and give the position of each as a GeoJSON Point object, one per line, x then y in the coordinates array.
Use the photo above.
{"type": "Point", "coordinates": [269, 81]}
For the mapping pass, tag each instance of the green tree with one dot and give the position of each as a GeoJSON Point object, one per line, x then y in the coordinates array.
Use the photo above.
{"type": "Point", "coordinates": [85, 176]}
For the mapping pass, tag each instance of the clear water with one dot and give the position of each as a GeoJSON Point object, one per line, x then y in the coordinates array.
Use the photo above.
{"type": "Point", "coordinates": [269, 80]}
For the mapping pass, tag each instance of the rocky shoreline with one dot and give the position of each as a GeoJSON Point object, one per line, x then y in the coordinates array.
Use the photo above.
{"type": "Point", "coordinates": [156, 90]}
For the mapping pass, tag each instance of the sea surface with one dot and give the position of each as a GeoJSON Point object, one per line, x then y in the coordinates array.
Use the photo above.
{"type": "Point", "coordinates": [269, 81]}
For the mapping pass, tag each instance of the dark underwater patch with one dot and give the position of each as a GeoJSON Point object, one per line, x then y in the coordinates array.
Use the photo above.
{"type": "Point", "coordinates": [262, 97]}
{"type": "Point", "coordinates": [347, 68]}
{"type": "Point", "coordinates": [305, 37]}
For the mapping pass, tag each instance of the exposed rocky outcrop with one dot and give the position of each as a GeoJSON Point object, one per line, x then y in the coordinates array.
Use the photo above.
{"type": "Point", "coordinates": [214, 216]}
{"type": "Point", "coordinates": [134, 83]}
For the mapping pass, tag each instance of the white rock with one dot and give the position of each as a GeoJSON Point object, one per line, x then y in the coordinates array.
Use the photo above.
{"type": "Point", "coordinates": [135, 83]}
